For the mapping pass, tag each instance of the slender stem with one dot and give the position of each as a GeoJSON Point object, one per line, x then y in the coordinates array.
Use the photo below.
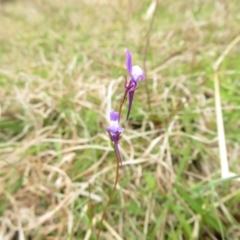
{"type": "Point", "coordinates": [145, 51]}
{"type": "Point", "coordinates": [112, 193]}
{"type": "Point", "coordinates": [117, 169]}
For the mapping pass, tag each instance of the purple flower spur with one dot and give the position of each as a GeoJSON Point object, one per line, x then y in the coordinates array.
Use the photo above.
{"type": "Point", "coordinates": [114, 131]}
{"type": "Point", "coordinates": [136, 74]}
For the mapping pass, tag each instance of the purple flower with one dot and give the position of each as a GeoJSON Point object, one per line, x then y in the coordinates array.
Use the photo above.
{"type": "Point", "coordinates": [135, 71]}
{"type": "Point", "coordinates": [114, 131]}
{"type": "Point", "coordinates": [136, 74]}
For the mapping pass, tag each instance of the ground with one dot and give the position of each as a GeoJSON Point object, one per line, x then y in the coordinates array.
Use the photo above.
{"type": "Point", "coordinates": [62, 69]}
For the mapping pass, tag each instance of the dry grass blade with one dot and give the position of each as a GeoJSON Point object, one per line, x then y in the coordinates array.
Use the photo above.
{"type": "Point", "coordinates": [62, 72]}
{"type": "Point", "coordinates": [219, 116]}
{"type": "Point", "coordinates": [111, 230]}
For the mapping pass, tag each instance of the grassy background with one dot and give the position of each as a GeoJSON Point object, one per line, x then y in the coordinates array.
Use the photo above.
{"type": "Point", "coordinates": [61, 71]}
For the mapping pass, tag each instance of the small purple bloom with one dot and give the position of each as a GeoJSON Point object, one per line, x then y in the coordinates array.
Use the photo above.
{"type": "Point", "coordinates": [115, 131]}
{"type": "Point", "coordinates": [135, 71]}
{"type": "Point", "coordinates": [136, 74]}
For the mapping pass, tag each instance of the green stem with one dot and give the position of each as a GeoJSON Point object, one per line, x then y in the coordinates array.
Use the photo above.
{"type": "Point", "coordinates": [112, 193]}
{"type": "Point", "coordinates": [117, 169]}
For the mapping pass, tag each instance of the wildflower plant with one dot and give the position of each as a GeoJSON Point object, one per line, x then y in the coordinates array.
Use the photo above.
{"type": "Point", "coordinates": [114, 130]}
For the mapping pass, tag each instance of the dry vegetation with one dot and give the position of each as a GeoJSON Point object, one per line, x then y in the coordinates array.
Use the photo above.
{"type": "Point", "coordinates": [61, 71]}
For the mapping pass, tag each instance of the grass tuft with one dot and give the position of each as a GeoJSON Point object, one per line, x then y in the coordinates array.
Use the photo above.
{"type": "Point", "coordinates": [62, 69]}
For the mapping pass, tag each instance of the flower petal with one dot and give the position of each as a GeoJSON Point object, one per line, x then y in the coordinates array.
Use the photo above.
{"type": "Point", "coordinates": [137, 73]}
{"type": "Point", "coordinates": [129, 61]}
{"type": "Point", "coordinates": [114, 116]}
{"type": "Point", "coordinates": [130, 100]}
{"type": "Point", "coordinates": [117, 152]}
